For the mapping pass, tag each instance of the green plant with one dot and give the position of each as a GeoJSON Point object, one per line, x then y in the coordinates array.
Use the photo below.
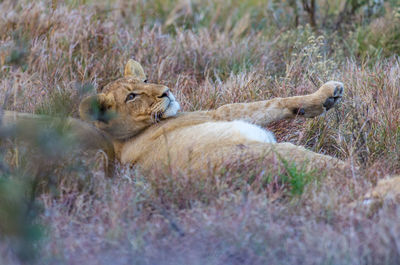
{"type": "Point", "coordinates": [297, 178]}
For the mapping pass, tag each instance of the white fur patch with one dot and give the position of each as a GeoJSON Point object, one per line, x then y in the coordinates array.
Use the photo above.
{"type": "Point", "coordinates": [253, 132]}
{"type": "Point", "coordinates": [173, 108]}
{"type": "Point", "coordinates": [228, 130]}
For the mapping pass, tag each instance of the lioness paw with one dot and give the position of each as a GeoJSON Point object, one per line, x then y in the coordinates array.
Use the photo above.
{"type": "Point", "coordinates": [333, 92]}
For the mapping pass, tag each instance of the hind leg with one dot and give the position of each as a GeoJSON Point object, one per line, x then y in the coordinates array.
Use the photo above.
{"type": "Point", "coordinates": [270, 157]}
{"type": "Point", "coordinates": [301, 156]}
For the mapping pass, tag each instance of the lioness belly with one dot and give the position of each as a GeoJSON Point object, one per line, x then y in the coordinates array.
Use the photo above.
{"type": "Point", "coordinates": [212, 144]}
{"type": "Point", "coordinates": [194, 146]}
{"type": "Point", "coordinates": [217, 132]}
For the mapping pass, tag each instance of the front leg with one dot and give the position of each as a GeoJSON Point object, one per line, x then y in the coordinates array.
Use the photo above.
{"type": "Point", "coordinates": [264, 112]}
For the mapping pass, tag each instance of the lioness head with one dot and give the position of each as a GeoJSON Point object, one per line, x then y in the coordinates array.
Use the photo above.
{"type": "Point", "coordinates": [129, 104]}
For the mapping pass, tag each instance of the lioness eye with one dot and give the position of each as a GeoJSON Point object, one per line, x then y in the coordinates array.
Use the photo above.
{"type": "Point", "coordinates": [131, 96]}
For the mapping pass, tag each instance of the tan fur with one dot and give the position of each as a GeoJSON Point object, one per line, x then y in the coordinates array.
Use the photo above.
{"type": "Point", "coordinates": [147, 131]}
{"type": "Point", "coordinates": [27, 127]}
{"type": "Point", "coordinates": [386, 191]}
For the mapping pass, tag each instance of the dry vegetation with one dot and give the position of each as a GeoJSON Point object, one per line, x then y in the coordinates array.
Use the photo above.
{"type": "Point", "coordinates": [209, 52]}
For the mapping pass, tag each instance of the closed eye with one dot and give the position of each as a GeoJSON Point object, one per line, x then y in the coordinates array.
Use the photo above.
{"type": "Point", "coordinates": [130, 97]}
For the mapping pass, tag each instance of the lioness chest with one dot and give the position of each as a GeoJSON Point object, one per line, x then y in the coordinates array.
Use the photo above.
{"type": "Point", "coordinates": [182, 146]}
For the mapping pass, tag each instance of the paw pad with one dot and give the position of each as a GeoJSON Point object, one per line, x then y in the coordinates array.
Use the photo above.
{"type": "Point", "coordinates": [338, 91]}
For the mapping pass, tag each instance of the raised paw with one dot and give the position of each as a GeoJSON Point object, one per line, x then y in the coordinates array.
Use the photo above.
{"type": "Point", "coordinates": [333, 92]}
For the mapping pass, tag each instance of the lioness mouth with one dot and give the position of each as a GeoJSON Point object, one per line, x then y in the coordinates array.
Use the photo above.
{"type": "Point", "coordinates": [159, 114]}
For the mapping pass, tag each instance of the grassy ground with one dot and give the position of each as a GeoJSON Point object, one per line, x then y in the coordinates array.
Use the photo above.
{"type": "Point", "coordinates": [53, 53]}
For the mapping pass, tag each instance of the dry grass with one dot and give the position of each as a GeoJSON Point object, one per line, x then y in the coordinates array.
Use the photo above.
{"type": "Point", "coordinates": [53, 53]}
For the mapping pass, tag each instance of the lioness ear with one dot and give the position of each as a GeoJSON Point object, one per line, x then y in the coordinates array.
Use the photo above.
{"type": "Point", "coordinates": [135, 70]}
{"type": "Point", "coordinates": [97, 108]}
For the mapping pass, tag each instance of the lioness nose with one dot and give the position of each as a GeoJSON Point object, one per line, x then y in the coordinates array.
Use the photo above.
{"type": "Point", "coordinates": [164, 93]}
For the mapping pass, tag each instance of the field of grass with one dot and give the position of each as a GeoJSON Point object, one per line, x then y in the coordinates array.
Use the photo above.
{"type": "Point", "coordinates": [63, 210]}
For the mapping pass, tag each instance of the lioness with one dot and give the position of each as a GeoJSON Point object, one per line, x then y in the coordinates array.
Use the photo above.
{"type": "Point", "coordinates": [141, 124]}
{"type": "Point", "coordinates": [147, 129]}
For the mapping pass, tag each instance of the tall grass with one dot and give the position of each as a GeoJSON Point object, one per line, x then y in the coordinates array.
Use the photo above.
{"type": "Point", "coordinates": [210, 53]}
